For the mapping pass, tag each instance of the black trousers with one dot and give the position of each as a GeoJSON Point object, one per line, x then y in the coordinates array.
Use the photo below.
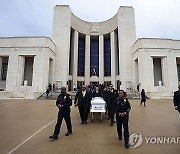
{"type": "Point", "coordinates": [123, 121]}
{"type": "Point", "coordinates": [66, 115]}
{"type": "Point", "coordinates": [83, 111]}
{"type": "Point", "coordinates": [178, 109]}
{"type": "Point", "coordinates": [110, 112]}
{"type": "Point", "coordinates": [143, 99]}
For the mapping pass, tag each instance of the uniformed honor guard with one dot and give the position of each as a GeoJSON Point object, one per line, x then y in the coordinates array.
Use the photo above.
{"type": "Point", "coordinates": [176, 100]}
{"type": "Point", "coordinates": [122, 108]}
{"type": "Point", "coordinates": [63, 102]}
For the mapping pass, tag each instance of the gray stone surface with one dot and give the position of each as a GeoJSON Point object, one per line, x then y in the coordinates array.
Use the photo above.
{"type": "Point", "coordinates": [20, 119]}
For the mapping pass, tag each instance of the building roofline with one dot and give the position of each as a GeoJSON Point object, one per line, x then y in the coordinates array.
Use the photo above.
{"type": "Point", "coordinates": [142, 38]}
{"type": "Point", "coordinates": [14, 37]}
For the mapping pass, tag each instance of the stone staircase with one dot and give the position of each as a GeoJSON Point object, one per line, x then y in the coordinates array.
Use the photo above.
{"type": "Point", "coordinates": [54, 95]}
{"type": "Point", "coordinates": [133, 94]}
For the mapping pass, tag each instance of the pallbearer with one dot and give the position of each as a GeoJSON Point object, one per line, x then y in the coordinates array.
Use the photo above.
{"type": "Point", "coordinates": [82, 100]}
{"type": "Point", "coordinates": [112, 95]}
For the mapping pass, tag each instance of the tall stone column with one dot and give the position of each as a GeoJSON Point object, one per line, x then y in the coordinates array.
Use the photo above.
{"type": "Point", "coordinates": [113, 60]}
{"type": "Point", "coordinates": [0, 68]}
{"type": "Point", "coordinates": [21, 64]}
{"type": "Point", "coordinates": [146, 70]}
{"type": "Point", "coordinates": [164, 71]}
{"type": "Point", "coordinates": [61, 37]}
{"type": "Point", "coordinates": [126, 38]}
{"type": "Point", "coordinates": [172, 72]}
{"type": "Point", "coordinates": [87, 60]}
{"type": "Point", "coordinates": [75, 57]}
{"type": "Point", "coordinates": [101, 59]}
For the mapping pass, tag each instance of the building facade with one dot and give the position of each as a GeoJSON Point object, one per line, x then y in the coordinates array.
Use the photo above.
{"type": "Point", "coordinates": [81, 52]}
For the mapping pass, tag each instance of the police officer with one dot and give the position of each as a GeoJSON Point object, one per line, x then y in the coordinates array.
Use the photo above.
{"type": "Point", "coordinates": [63, 102]}
{"type": "Point", "coordinates": [122, 108]}
{"type": "Point", "coordinates": [176, 100]}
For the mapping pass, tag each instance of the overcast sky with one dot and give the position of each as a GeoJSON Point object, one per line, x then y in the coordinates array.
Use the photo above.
{"type": "Point", "coordinates": [154, 18]}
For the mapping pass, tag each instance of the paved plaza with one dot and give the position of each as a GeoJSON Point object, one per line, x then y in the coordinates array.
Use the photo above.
{"type": "Point", "coordinates": [26, 124]}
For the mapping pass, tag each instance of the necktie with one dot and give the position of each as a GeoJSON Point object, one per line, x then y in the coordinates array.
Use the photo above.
{"type": "Point", "coordinates": [83, 93]}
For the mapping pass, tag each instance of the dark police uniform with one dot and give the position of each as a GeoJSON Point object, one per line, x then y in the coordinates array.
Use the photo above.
{"type": "Point", "coordinates": [122, 105]}
{"type": "Point", "coordinates": [64, 112]}
{"type": "Point", "coordinates": [176, 99]}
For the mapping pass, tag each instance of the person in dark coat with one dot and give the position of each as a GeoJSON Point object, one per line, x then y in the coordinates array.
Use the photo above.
{"type": "Point", "coordinates": [143, 97]}
{"type": "Point", "coordinates": [105, 91]}
{"type": "Point", "coordinates": [97, 93]}
{"type": "Point", "coordinates": [176, 100]}
{"type": "Point", "coordinates": [63, 102]}
{"type": "Point", "coordinates": [112, 95]}
{"type": "Point", "coordinates": [88, 89]}
{"type": "Point", "coordinates": [82, 100]}
{"type": "Point", "coordinates": [138, 87]}
{"type": "Point", "coordinates": [47, 93]}
{"type": "Point", "coordinates": [122, 108]}
{"type": "Point", "coordinates": [50, 87]}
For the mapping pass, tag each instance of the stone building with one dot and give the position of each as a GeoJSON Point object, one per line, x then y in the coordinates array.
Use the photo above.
{"type": "Point", "coordinates": [81, 52]}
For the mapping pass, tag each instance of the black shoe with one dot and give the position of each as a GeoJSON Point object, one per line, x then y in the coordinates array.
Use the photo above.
{"type": "Point", "coordinates": [111, 124]}
{"type": "Point", "coordinates": [68, 133]}
{"type": "Point", "coordinates": [82, 122]}
{"type": "Point", "coordinates": [120, 138]}
{"type": "Point", "coordinates": [114, 121]}
{"type": "Point", "coordinates": [53, 137]}
{"type": "Point", "coordinates": [126, 145]}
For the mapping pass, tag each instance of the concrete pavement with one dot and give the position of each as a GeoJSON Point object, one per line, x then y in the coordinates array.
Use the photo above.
{"type": "Point", "coordinates": [26, 124]}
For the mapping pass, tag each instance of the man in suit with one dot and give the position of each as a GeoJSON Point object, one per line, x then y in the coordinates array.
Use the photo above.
{"type": "Point", "coordinates": [176, 100]}
{"type": "Point", "coordinates": [112, 95]}
{"type": "Point", "coordinates": [96, 93]}
{"type": "Point", "coordinates": [82, 100]}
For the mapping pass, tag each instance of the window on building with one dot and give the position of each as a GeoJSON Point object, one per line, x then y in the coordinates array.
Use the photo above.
{"type": "Point", "coordinates": [4, 68]}
{"type": "Point", "coordinates": [71, 53]}
{"type": "Point", "coordinates": [178, 71]}
{"type": "Point", "coordinates": [157, 71]}
{"type": "Point", "coordinates": [107, 56]}
{"type": "Point", "coordinates": [94, 57]}
{"type": "Point", "coordinates": [81, 56]}
{"type": "Point", "coordinates": [4, 71]}
{"type": "Point", "coordinates": [28, 70]}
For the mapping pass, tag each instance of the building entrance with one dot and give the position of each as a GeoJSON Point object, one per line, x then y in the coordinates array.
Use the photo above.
{"type": "Point", "coordinates": [94, 83]}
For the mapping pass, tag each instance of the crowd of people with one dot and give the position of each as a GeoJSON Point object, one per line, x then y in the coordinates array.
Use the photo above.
{"type": "Point", "coordinates": [116, 104]}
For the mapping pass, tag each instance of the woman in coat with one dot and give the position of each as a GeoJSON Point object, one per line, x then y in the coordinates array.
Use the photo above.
{"type": "Point", "coordinates": [143, 97]}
